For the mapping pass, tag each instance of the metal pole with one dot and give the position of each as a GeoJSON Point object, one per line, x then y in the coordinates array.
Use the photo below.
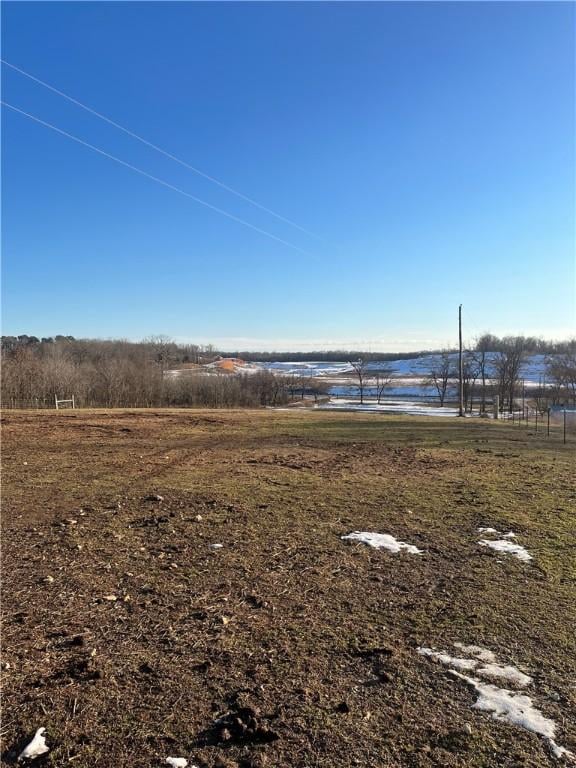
{"type": "Point", "coordinates": [536, 419]}
{"type": "Point", "coordinates": [564, 424]}
{"type": "Point", "coordinates": [460, 367]}
{"type": "Point", "coordinates": [523, 393]}
{"type": "Point", "coordinates": [548, 423]}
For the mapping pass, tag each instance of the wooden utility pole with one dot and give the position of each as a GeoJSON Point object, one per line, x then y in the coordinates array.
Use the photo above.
{"type": "Point", "coordinates": [460, 368]}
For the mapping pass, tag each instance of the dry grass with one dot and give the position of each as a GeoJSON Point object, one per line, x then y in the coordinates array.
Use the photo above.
{"type": "Point", "coordinates": [305, 644]}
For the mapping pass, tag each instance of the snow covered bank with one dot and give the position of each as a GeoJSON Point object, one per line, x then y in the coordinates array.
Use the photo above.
{"type": "Point", "coordinates": [387, 406]}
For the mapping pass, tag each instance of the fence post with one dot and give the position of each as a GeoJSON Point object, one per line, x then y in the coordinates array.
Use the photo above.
{"type": "Point", "coordinates": [564, 424]}
{"type": "Point", "coordinates": [548, 423]}
{"type": "Point", "coordinates": [536, 420]}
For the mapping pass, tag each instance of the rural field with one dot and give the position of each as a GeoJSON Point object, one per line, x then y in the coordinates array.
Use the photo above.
{"type": "Point", "coordinates": [131, 637]}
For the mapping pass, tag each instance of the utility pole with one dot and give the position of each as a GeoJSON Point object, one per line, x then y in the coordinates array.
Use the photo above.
{"type": "Point", "coordinates": [460, 369]}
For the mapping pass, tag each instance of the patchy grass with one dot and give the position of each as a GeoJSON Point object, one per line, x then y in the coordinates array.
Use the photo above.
{"type": "Point", "coordinates": [303, 643]}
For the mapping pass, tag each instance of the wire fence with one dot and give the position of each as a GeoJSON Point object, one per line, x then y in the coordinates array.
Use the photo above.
{"type": "Point", "coordinates": [555, 423]}
{"type": "Point", "coordinates": [33, 403]}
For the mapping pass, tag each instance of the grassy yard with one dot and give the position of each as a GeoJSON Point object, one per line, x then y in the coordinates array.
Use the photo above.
{"type": "Point", "coordinates": [131, 638]}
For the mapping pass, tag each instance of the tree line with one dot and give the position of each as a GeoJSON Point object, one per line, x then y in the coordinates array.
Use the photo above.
{"type": "Point", "coordinates": [492, 367]}
{"type": "Point", "coordinates": [121, 373]}
{"type": "Point", "coordinates": [115, 374]}
{"type": "Point", "coordinates": [491, 370]}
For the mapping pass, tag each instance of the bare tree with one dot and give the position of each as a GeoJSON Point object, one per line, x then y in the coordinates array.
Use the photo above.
{"type": "Point", "coordinates": [383, 379]}
{"type": "Point", "coordinates": [480, 354]}
{"type": "Point", "coordinates": [297, 383]}
{"type": "Point", "coordinates": [470, 372]}
{"type": "Point", "coordinates": [441, 374]}
{"type": "Point", "coordinates": [163, 350]}
{"type": "Point", "coordinates": [562, 372]}
{"type": "Point", "coordinates": [360, 367]}
{"type": "Point", "coordinates": [507, 364]}
{"type": "Point", "coordinates": [543, 396]}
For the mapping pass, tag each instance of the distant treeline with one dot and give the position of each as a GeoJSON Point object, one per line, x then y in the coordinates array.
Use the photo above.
{"type": "Point", "coordinates": [124, 374]}
{"type": "Point", "coordinates": [332, 356]}
{"type": "Point", "coordinates": [140, 374]}
{"type": "Point", "coordinates": [198, 353]}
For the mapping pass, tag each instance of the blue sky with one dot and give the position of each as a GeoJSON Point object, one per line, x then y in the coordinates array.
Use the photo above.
{"type": "Point", "coordinates": [430, 147]}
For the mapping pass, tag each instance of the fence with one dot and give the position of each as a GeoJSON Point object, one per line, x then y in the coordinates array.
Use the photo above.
{"type": "Point", "coordinates": [31, 403]}
{"type": "Point", "coordinates": [551, 423]}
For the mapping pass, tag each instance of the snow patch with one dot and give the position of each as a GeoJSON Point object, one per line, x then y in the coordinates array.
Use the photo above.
{"type": "Point", "coordinates": [36, 747]}
{"type": "Point", "coordinates": [508, 547]}
{"type": "Point", "coordinates": [509, 535]}
{"type": "Point", "coordinates": [477, 651]}
{"type": "Point", "coordinates": [177, 762]}
{"type": "Point", "coordinates": [387, 406]}
{"type": "Point", "coordinates": [449, 661]}
{"type": "Point", "coordinates": [509, 673]}
{"type": "Point", "coordinates": [516, 708]}
{"type": "Point", "coordinates": [505, 705]}
{"type": "Point", "coordinates": [490, 669]}
{"type": "Point", "coordinates": [382, 541]}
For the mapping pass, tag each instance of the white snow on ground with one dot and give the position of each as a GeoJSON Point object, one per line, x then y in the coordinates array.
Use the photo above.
{"type": "Point", "coordinates": [382, 541]}
{"type": "Point", "coordinates": [510, 706]}
{"type": "Point", "coordinates": [517, 708]}
{"type": "Point", "coordinates": [36, 747]}
{"type": "Point", "coordinates": [477, 651]}
{"type": "Point", "coordinates": [449, 661]}
{"type": "Point", "coordinates": [177, 762]}
{"type": "Point", "coordinates": [509, 673]}
{"type": "Point", "coordinates": [502, 545]}
{"type": "Point", "coordinates": [387, 406]}
{"type": "Point", "coordinates": [533, 369]}
{"type": "Point", "coordinates": [509, 535]}
{"type": "Point", "coordinates": [490, 669]}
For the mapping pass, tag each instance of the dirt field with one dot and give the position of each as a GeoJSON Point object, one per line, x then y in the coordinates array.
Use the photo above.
{"type": "Point", "coordinates": [131, 638]}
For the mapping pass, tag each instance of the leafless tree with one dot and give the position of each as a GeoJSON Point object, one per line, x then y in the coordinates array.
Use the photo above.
{"type": "Point", "coordinates": [441, 374]}
{"type": "Point", "coordinates": [543, 396]}
{"type": "Point", "coordinates": [360, 367]}
{"type": "Point", "coordinates": [470, 371]}
{"type": "Point", "coordinates": [480, 354]}
{"type": "Point", "coordinates": [382, 381]}
{"type": "Point", "coordinates": [507, 364]}
{"type": "Point", "coordinates": [562, 372]}
{"type": "Point", "coordinates": [297, 384]}
{"type": "Point", "coordinates": [163, 350]}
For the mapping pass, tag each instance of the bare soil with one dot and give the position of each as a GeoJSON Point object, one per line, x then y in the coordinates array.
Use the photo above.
{"type": "Point", "coordinates": [130, 637]}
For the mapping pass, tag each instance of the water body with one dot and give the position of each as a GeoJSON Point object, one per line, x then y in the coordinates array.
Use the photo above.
{"type": "Point", "coordinates": [341, 381]}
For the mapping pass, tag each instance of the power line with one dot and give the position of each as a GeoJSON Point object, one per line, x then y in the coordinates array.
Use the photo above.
{"type": "Point", "coordinates": [159, 149]}
{"type": "Point", "coordinates": [153, 178]}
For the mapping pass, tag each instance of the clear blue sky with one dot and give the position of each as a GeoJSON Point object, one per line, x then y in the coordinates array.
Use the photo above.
{"type": "Point", "coordinates": [431, 147]}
